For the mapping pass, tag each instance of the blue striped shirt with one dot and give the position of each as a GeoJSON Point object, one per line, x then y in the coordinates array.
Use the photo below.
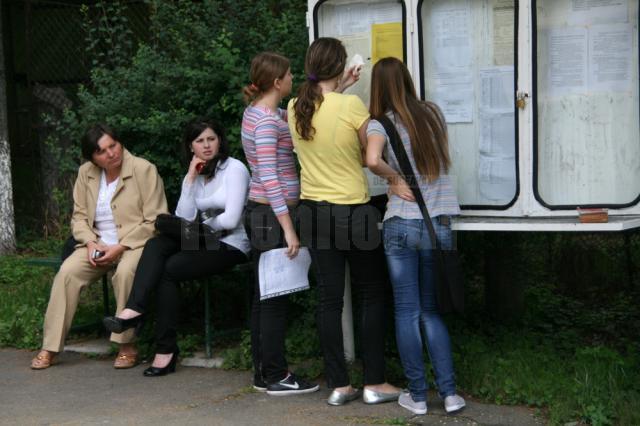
{"type": "Point", "coordinates": [438, 195]}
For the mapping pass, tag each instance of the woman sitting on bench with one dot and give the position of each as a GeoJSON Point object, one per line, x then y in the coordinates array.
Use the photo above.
{"type": "Point", "coordinates": [214, 192]}
{"type": "Point", "coordinates": [116, 197]}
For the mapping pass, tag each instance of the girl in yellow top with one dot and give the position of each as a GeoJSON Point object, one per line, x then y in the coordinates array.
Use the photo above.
{"type": "Point", "coordinates": [336, 223]}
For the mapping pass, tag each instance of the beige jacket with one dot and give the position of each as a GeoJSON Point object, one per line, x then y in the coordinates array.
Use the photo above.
{"type": "Point", "coordinates": [138, 199]}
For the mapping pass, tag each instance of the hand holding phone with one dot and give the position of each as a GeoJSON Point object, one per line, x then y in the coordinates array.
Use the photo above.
{"type": "Point", "coordinates": [203, 168]}
{"type": "Point", "coordinates": [97, 254]}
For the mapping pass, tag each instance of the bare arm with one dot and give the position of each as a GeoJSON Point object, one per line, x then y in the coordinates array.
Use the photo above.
{"type": "Point", "coordinates": [362, 137]}
{"type": "Point", "coordinates": [377, 165]}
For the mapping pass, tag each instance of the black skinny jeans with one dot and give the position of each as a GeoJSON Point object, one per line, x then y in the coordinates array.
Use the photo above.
{"type": "Point", "coordinates": [162, 266]}
{"type": "Point", "coordinates": [336, 234]}
{"type": "Point", "coordinates": [268, 317]}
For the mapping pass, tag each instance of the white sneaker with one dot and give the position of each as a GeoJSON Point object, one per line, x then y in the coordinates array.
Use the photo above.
{"type": "Point", "coordinates": [454, 403]}
{"type": "Point", "coordinates": [405, 400]}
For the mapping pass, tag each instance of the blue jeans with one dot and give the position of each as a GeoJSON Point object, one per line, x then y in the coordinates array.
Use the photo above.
{"type": "Point", "coordinates": [412, 271]}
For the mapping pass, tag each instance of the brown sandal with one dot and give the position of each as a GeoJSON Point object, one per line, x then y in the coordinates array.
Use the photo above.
{"type": "Point", "coordinates": [125, 360]}
{"type": "Point", "coordinates": [43, 360]}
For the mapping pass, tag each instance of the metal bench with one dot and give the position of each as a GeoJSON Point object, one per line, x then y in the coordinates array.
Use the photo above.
{"type": "Point", "coordinates": [55, 262]}
{"type": "Point", "coordinates": [208, 282]}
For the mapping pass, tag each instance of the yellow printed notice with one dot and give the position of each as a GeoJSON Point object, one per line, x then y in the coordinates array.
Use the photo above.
{"type": "Point", "coordinates": [386, 40]}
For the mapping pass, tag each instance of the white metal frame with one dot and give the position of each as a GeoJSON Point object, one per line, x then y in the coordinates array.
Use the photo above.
{"type": "Point", "coordinates": [534, 215]}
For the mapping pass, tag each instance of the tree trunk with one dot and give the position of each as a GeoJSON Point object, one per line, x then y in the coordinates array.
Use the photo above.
{"type": "Point", "coordinates": [7, 227]}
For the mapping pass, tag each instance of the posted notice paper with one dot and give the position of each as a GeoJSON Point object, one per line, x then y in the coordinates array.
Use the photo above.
{"type": "Point", "coordinates": [497, 88]}
{"type": "Point", "coordinates": [450, 35]}
{"type": "Point", "coordinates": [456, 105]}
{"type": "Point", "coordinates": [567, 60]}
{"type": "Point", "coordinates": [610, 53]}
{"type": "Point", "coordinates": [280, 275]}
{"type": "Point", "coordinates": [503, 27]}
{"type": "Point", "coordinates": [386, 40]}
{"type": "Point", "coordinates": [586, 12]}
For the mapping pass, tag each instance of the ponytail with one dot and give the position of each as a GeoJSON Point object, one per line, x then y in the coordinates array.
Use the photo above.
{"type": "Point", "coordinates": [266, 67]}
{"type": "Point", "coordinates": [326, 59]}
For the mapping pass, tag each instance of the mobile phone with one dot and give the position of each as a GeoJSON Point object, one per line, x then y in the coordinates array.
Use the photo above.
{"type": "Point", "coordinates": [204, 168]}
{"type": "Point", "coordinates": [97, 254]}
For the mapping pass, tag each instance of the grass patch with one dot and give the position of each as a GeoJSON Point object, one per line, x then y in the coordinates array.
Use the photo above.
{"type": "Point", "coordinates": [24, 294]}
{"type": "Point", "coordinates": [596, 385]}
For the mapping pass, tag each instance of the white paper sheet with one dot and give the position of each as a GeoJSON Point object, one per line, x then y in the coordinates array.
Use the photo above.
{"type": "Point", "coordinates": [450, 35]}
{"type": "Point", "coordinates": [497, 88]}
{"type": "Point", "coordinates": [453, 79]}
{"type": "Point", "coordinates": [497, 178]}
{"type": "Point", "coordinates": [449, 26]}
{"type": "Point", "coordinates": [381, 13]}
{"type": "Point", "coordinates": [586, 12]}
{"type": "Point", "coordinates": [610, 53]}
{"type": "Point", "coordinates": [503, 36]}
{"type": "Point", "coordinates": [497, 135]}
{"type": "Point", "coordinates": [567, 50]}
{"type": "Point", "coordinates": [280, 275]}
{"type": "Point", "coordinates": [352, 18]}
{"type": "Point", "coordinates": [327, 21]}
{"type": "Point", "coordinates": [456, 105]}
{"type": "Point", "coordinates": [360, 44]}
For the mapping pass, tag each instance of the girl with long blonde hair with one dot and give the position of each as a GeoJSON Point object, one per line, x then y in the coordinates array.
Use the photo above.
{"type": "Point", "coordinates": [408, 247]}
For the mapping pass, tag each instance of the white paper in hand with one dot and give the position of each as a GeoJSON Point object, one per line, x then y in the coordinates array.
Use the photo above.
{"type": "Point", "coordinates": [280, 275]}
{"type": "Point", "coordinates": [356, 61]}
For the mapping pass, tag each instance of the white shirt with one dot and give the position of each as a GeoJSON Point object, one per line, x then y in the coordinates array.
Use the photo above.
{"type": "Point", "coordinates": [104, 215]}
{"type": "Point", "coordinates": [222, 199]}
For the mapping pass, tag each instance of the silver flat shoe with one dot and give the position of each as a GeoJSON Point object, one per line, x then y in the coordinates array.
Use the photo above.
{"type": "Point", "coordinates": [338, 398]}
{"type": "Point", "coordinates": [374, 397]}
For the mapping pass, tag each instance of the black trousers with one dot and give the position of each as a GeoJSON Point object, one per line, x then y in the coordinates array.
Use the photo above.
{"type": "Point", "coordinates": [268, 317]}
{"type": "Point", "coordinates": [162, 266]}
{"type": "Point", "coordinates": [335, 235]}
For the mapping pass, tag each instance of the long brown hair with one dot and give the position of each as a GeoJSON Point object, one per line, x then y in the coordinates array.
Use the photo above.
{"type": "Point", "coordinates": [266, 67]}
{"type": "Point", "coordinates": [392, 90]}
{"type": "Point", "coordinates": [326, 59]}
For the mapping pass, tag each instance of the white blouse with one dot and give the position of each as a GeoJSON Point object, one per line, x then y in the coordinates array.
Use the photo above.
{"type": "Point", "coordinates": [221, 201]}
{"type": "Point", "coordinates": [104, 222]}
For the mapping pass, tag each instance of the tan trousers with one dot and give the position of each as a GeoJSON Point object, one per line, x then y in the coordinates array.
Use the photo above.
{"type": "Point", "coordinates": [76, 273]}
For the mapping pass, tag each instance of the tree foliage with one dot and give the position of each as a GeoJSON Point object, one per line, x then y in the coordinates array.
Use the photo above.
{"type": "Point", "coordinates": [195, 62]}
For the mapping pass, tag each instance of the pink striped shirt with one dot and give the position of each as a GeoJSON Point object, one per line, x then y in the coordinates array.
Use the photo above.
{"type": "Point", "coordinates": [269, 151]}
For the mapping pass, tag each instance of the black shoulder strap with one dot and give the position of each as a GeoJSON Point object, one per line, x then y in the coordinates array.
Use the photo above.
{"type": "Point", "coordinates": [408, 174]}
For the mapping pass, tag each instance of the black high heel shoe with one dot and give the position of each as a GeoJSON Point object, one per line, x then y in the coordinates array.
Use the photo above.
{"type": "Point", "coordinates": [119, 325]}
{"type": "Point", "coordinates": [169, 368]}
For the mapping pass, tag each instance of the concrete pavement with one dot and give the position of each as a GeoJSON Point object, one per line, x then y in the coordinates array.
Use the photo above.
{"type": "Point", "coordinates": [81, 390]}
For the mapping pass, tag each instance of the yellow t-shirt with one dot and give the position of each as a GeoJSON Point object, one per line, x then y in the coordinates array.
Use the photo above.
{"type": "Point", "coordinates": [331, 163]}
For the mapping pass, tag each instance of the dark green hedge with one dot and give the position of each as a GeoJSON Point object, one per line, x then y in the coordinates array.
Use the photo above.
{"type": "Point", "coordinates": [195, 62]}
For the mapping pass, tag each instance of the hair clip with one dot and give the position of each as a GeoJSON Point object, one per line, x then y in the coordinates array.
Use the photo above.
{"type": "Point", "coordinates": [253, 87]}
{"type": "Point", "coordinates": [312, 77]}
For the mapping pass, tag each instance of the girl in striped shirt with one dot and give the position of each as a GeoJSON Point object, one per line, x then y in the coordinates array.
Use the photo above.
{"type": "Point", "coordinates": [273, 196]}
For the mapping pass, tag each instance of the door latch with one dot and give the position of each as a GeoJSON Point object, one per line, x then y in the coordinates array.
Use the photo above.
{"type": "Point", "coordinates": [521, 99]}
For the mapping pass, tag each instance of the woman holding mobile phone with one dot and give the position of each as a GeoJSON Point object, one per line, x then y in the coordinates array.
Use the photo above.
{"type": "Point", "coordinates": [112, 220]}
{"type": "Point", "coordinates": [214, 192]}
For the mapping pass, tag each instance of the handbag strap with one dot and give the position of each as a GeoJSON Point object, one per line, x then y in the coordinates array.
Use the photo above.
{"type": "Point", "coordinates": [409, 175]}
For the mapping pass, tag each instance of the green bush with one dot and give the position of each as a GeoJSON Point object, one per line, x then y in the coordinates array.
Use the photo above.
{"type": "Point", "coordinates": [195, 63]}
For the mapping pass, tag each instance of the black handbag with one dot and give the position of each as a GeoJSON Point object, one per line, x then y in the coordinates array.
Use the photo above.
{"type": "Point", "coordinates": [186, 231]}
{"type": "Point", "coordinates": [449, 277]}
